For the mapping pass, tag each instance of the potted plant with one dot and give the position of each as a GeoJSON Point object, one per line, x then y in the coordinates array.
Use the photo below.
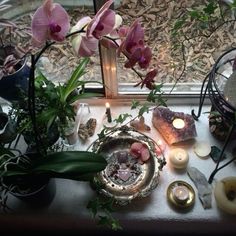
{"type": "Point", "coordinates": [54, 107]}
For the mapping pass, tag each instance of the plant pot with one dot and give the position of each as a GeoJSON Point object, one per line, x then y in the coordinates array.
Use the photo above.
{"type": "Point", "coordinates": [13, 85]}
{"type": "Point", "coordinates": [7, 129]}
{"type": "Point", "coordinates": [35, 190]}
{"type": "Point", "coordinates": [47, 139]}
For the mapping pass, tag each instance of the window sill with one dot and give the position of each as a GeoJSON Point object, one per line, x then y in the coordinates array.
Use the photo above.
{"type": "Point", "coordinates": [67, 211]}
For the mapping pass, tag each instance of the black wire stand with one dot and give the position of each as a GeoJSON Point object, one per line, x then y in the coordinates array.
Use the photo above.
{"type": "Point", "coordinates": [213, 85]}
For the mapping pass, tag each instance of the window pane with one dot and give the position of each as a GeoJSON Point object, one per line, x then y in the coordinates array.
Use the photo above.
{"type": "Point", "coordinates": [200, 21]}
{"type": "Point", "coordinates": [59, 60]}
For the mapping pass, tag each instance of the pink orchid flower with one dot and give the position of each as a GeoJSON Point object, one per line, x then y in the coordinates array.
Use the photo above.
{"type": "Point", "coordinates": [133, 38]}
{"type": "Point", "coordinates": [142, 56]}
{"type": "Point", "coordinates": [50, 22]}
{"type": "Point", "coordinates": [103, 23]}
{"type": "Point", "coordinates": [83, 45]}
{"type": "Point", "coordinates": [113, 39]}
{"type": "Point", "coordinates": [148, 80]}
{"type": "Point", "coordinates": [134, 49]}
{"type": "Point", "coordinates": [140, 151]}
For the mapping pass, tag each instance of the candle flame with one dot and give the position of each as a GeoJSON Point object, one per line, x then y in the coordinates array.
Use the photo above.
{"type": "Point", "coordinates": [107, 105]}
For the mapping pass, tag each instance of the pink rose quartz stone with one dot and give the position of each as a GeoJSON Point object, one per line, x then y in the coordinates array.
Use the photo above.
{"type": "Point", "coordinates": [140, 151]}
{"type": "Point", "coordinates": [162, 119]}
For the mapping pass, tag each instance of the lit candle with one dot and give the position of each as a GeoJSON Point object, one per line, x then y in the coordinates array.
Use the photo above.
{"type": "Point", "coordinates": [178, 123]}
{"type": "Point", "coordinates": [180, 194]}
{"type": "Point", "coordinates": [178, 158]}
{"type": "Point", "coordinates": [108, 112]}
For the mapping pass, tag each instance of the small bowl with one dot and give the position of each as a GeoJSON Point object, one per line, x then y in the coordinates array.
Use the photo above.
{"type": "Point", "coordinates": [185, 204]}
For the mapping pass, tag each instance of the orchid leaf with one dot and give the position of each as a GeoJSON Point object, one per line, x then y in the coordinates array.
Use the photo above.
{"type": "Point", "coordinates": [68, 164]}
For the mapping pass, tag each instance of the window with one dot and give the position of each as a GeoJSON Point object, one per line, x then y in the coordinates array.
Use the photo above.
{"type": "Point", "coordinates": [203, 40]}
{"type": "Point", "coordinates": [206, 29]}
{"type": "Point", "coordinates": [59, 61]}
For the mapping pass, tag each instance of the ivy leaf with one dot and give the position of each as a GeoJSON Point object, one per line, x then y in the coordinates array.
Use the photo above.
{"type": "Point", "coordinates": [134, 104]}
{"type": "Point", "coordinates": [143, 109]}
{"type": "Point", "coordinates": [161, 101]}
{"type": "Point", "coordinates": [158, 87]}
{"type": "Point", "coordinates": [102, 134]}
{"type": "Point", "coordinates": [155, 95]}
{"type": "Point", "coordinates": [104, 207]}
{"type": "Point", "coordinates": [93, 206]}
{"type": "Point", "coordinates": [110, 222]}
{"type": "Point", "coordinates": [122, 117]}
{"type": "Point", "coordinates": [103, 220]}
{"type": "Point", "coordinates": [108, 205]}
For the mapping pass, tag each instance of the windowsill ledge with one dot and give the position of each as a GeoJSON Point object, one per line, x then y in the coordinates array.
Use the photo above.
{"type": "Point", "coordinates": [150, 214]}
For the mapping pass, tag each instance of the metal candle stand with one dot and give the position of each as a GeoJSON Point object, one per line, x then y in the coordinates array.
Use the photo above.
{"type": "Point", "coordinates": [212, 84]}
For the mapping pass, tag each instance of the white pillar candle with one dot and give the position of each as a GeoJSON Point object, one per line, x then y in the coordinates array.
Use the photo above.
{"type": "Point", "coordinates": [178, 123]}
{"type": "Point", "coordinates": [178, 158]}
{"type": "Point", "coordinates": [180, 194]}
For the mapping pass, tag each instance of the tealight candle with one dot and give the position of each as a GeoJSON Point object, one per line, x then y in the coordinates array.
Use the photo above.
{"type": "Point", "coordinates": [108, 112]}
{"type": "Point", "coordinates": [178, 158]}
{"type": "Point", "coordinates": [178, 123]}
{"type": "Point", "coordinates": [180, 194]}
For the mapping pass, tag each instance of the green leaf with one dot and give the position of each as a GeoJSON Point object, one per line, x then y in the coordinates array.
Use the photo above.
{"type": "Point", "coordinates": [143, 109]}
{"type": "Point", "coordinates": [161, 101]}
{"type": "Point", "coordinates": [110, 222]}
{"type": "Point", "coordinates": [48, 115]}
{"type": "Point", "coordinates": [72, 83]}
{"type": "Point", "coordinates": [69, 164]}
{"type": "Point", "coordinates": [93, 206]}
{"type": "Point", "coordinates": [105, 130]}
{"type": "Point", "coordinates": [122, 117]}
{"type": "Point", "coordinates": [134, 104]}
